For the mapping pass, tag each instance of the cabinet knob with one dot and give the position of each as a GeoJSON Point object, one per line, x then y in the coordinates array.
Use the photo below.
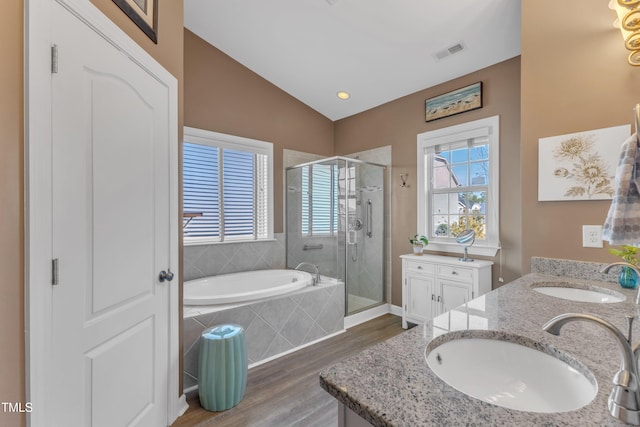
{"type": "Point", "coordinates": [455, 273]}
{"type": "Point", "coordinates": [433, 297]}
{"type": "Point", "coordinates": [419, 267]}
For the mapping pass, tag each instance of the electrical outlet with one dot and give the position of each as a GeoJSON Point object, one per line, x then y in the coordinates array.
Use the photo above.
{"type": "Point", "coordinates": [592, 236]}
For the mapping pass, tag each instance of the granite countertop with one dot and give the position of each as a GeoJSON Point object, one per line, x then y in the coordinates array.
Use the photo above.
{"type": "Point", "coordinates": [390, 383]}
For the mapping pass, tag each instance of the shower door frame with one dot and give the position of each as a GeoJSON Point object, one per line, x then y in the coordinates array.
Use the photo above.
{"type": "Point", "coordinates": [347, 161]}
{"type": "Point", "coordinates": [384, 238]}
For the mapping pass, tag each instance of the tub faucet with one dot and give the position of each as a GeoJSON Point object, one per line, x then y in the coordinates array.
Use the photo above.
{"type": "Point", "coordinates": [624, 400]}
{"type": "Point", "coordinates": [625, 264]}
{"type": "Point", "coordinates": [316, 271]}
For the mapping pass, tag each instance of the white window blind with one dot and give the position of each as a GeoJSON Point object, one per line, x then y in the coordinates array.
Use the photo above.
{"type": "Point", "coordinates": [229, 181]}
{"type": "Point", "coordinates": [319, 200]}
{"type": "Point", "coordinates": [201, 190]}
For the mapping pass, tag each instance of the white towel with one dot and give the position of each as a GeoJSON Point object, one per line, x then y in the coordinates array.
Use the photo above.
{"type": "Point", "coordinates": [622, 226]}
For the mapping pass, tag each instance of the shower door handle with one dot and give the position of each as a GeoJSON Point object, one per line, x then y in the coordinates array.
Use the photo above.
{"type": "Point", "coordinates": [369, 218]}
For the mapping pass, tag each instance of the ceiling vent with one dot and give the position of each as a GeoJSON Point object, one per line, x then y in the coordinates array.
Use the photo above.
{"type": "Point", "coordinates": [451, 50]}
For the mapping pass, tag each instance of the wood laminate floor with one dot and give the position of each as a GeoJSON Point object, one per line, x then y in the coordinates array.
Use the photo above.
{"type": "Point", "coordinates": [286, 392]}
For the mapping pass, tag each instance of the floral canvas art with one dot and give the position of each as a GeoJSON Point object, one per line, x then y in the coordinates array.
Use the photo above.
{"type": "Point", "coordinates": [580, 166]}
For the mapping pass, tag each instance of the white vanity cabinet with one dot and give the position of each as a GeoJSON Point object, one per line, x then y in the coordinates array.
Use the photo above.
{"type": "Point", "coordinates": [433, 284]}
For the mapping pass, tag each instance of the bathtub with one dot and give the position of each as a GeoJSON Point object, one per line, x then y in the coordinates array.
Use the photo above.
{"type": "Point", "coordinates": [277, 318]}
{"type": "Point", "coordinates": [244, 286]}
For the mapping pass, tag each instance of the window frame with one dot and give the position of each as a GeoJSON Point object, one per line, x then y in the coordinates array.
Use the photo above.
{"type": "Point", "coordinates": [238, 143]}
{"type": "Point", "coordinates": [489, 127]}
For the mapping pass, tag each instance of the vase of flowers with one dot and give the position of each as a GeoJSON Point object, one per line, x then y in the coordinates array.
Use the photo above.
{"type": "Point", "coordinates": [627, 278]}
{"type": "Point", "coordinates": [419, 242]}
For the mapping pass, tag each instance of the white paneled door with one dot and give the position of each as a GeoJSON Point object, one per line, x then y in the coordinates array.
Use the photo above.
{"type": "Point", "coordinates": [111, 234]}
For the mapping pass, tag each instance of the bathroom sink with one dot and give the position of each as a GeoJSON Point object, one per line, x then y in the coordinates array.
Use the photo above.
{"type": "Point", "coordinates": [580, 293]}
{"type": "Point", "coordinates": [508, 372]}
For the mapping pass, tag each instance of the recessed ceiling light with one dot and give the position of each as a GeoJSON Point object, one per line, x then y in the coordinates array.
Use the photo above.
{"type": "Point", "coordinates": [343, 95]}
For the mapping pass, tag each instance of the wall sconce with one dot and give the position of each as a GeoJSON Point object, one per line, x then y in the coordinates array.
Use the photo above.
{"type": "Point", "coordinates": [403, 178]}
{"type": "Point", "coordinates": [628, 21]}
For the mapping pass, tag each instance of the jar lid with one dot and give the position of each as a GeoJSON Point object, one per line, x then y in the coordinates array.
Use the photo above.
{"type": "Point", "coordinates": [222, 331]}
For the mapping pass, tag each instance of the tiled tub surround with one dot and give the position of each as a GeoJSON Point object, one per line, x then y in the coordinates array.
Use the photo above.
{"type": "Point", "coordinates": [390, 384]}
{"type": "Point", "coordinates": [222, 258]}
{"type": "Point", "coordinates": [272, 326]}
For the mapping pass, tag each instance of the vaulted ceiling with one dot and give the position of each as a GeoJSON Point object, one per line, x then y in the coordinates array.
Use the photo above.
{"type": "Point", "coordinates": [376, 50]}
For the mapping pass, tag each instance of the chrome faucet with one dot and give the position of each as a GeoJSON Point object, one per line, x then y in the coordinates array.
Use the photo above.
{"type": "Point", "coordinates": [624, 400]}
{"type": "Point", "coordinates": [316, 280]}
{"type": "Point", "coordinates": [625, 264]}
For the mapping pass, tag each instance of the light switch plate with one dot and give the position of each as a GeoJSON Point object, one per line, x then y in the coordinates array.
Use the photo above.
{"type": "Point", "coordinates": [592, 236]}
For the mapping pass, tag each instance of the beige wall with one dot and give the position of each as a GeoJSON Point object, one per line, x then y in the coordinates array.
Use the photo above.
{"type": "Point", "coordinates": [11, 211]}
{"type": "Point", "coordinates": [575, 77]}
{"type": "Point", "coordinates": [222, 95]}
{"type": "Point", "coordinates": [398, 123]}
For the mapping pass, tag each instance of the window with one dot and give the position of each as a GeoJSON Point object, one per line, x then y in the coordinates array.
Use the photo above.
{"type": "Point", "coordinates": [229, 180]}
{"type": "Point", "coordinates": [319, 200]}
{"type": "Point", "coordinates": [458, 185]}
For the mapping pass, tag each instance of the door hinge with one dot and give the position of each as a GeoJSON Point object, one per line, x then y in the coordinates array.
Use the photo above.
{"type": "Point", "coordinates": [54, 271]}
{"type": "Point", "coordinates": [54, 59]}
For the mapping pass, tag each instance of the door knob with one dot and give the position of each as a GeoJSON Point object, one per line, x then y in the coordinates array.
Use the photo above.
{"type": "Point", "coordinates": [165, 275]}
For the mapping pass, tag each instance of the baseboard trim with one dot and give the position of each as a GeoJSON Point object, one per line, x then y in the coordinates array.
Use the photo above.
{"type": "Point", "coordinates": [363, 316]}
{"type": "Point", "coordinates": [395, 309]}
{"type": "Point", "coordinates": [277, 356]}
{"type": "Point", "coordinates": [182, 405]}
{"type": "Point", "coordinates": [190, 389]}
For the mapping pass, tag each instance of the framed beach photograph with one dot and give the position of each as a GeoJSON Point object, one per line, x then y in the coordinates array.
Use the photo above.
{"type": "Point", "coordinates": [455, 102]}
{"type": "Point", "coordinates": [580, 166]}
{"type": "Point", "coordinates": [144, 13]}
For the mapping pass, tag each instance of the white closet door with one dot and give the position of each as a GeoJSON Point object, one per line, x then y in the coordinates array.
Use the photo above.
{"type": "Point", "coordinates": [111, 234]}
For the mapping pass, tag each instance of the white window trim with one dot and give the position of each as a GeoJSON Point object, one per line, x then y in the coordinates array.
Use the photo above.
{"type": "Point", "coordinates": [491, 127]}
{"type": "Point", "coordinates": [217, 139]}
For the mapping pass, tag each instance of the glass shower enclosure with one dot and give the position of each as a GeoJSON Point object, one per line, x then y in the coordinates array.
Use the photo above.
{"type": "Point", "coordinates": [335, 211]}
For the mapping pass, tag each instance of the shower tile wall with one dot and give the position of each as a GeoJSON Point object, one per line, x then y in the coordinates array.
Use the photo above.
{"type": "Point", "coordinates": [273, 326]}
{"type": "Point", "coordinates": [210, 260]}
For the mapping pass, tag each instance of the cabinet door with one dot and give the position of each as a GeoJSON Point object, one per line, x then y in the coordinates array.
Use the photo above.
{"type": "Point", "coordinates": [420, 294]}
{"type": "Point", "coordinates": [453, 294]}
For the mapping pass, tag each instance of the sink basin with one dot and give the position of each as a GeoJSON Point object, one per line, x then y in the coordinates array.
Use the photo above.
{"type": "Point", "coordinates": [508, 372]}
{"type": "Point", "coordinates": [581, 293]}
